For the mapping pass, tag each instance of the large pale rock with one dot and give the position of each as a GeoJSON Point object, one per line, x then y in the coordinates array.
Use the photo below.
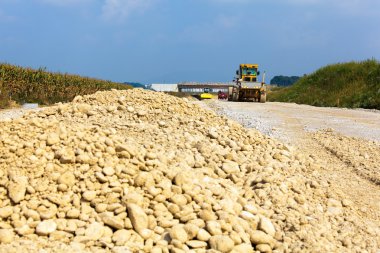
{"type": "Point", "coordinates": [221, 243]}
{"type": "Point", "coordinates": [267, 226]}
{"type": "Point", "coordinates": [230, 167]}
{"type": "Point", "coordinates": [120, 237]}
{"type": "Point", "coordinates": [138, 217]}
{"type": "Point", "coordinates": [17, 189]}
{"type": "Point", "coordinates": [196, 244]}
{"type": "Point", "coordinates": [46, 227]}
{"type": "Point", "coordinates": [260, 237]}
{"type": "Point", "coordinates": [6, 211]}
{"type": "Point", "coordinates": [67, 178]}
{"type": "Point", "coordinates": [178, 233]}
{"type": "Point", "coordinates": [52, 138]}
{"type": "Point", "coordinates": [6, 235]}
{"type": "Point", "coordinates": [89, 195]}
{"type": "Point", "coordinates": [94, 231]}
{"type": "Point", "coordinates": [203, 235]}
{"type": "Point", "coordinates": [243, 248]}
{"type": "Point", "coordinates": [112, 221]}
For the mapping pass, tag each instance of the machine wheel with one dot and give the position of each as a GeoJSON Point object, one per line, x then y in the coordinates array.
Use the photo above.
{"type": "Point", "coordinates": [263, 98]}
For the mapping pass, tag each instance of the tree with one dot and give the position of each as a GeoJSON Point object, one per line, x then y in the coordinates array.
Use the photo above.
{"type": "Point", "coordinates": [284, 80]}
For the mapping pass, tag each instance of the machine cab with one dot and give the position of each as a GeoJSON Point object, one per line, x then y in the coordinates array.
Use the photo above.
{"type": "Point", "coordinates": [248, 72]}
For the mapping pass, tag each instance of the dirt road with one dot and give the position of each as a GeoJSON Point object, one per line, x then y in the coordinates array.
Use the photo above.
{"type": "Point", "coordinates": [287, 121]}
{"type": "Point", "coordinates": [346, 143]}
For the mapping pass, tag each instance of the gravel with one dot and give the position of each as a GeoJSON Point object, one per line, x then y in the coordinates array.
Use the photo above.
{"type": "Point", "coordinates": [139, 171]}
{"type": "Point", "coordinates": [8, 114]}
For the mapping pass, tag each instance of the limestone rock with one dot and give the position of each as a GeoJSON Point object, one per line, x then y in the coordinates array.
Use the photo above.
{"type": "Point", "coordinates": [6, 235]}
{"type": "Point", "coordinates": [112, 221]}
{"type": "Point", "coordinates": [94, 231]}
{"type": "Point", "coordinates": [46, 227]}
{"type": "Point", "coordinates": [221, 243]}
{"type": "Point", "coordinates": [5, 212]}
{"type": "Point", "coordinates": [267, 226]}
{"type": "Point", "coordinates": [138, 217]}
{"type": "Point", "coordinates": [17, 188]}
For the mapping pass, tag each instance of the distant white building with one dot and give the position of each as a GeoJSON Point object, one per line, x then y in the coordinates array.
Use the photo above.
{"type": "Point", "coordinates": [165, 87]}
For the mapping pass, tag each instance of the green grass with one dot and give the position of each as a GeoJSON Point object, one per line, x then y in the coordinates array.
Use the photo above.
{"type": "Point", "coordinates": [26, 85]}
{"type": "Point", "coordinates": [351, 85]}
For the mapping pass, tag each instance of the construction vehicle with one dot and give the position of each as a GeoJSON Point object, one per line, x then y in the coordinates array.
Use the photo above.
{"type": "Point", "coordinates": [206, 94]}
{"type": "Point", "coordinates": [246, 87]}
{"type": "Point", "coordinates": [222, 95]}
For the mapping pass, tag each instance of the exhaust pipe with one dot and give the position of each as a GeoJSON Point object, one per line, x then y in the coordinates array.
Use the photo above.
{"type": "Point", "coordinates": [263, 81]}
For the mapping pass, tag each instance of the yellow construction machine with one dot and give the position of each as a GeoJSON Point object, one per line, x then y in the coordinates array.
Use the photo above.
{"type": "Point", "coordinates": [246, 87]}
{"type": "Point", "coordinates": [206, 94]}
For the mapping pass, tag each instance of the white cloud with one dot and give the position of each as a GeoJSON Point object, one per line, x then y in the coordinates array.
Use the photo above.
{"type": "Point", "coordinates": [122, 9]}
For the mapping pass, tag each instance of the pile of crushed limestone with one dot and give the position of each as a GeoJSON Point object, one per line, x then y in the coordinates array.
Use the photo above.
{"type": "Point", "coordinates": [138, 171]}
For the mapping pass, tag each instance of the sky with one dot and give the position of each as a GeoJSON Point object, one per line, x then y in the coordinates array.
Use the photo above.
{"type": "Point", "coordinates": [169, 41]}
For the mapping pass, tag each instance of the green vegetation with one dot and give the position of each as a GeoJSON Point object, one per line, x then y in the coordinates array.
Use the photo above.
{"type": "Point", "coordinates": [284, 80]}
{"type": "Point", "coordinates": [352, 85]}
{"type": "Point", "coordinates": [26, 85]}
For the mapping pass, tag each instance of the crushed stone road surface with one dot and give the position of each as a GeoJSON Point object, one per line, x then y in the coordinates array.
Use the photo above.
{"type": "Point", "coordinates": [345, 141]}
{"type": "Point", "coordinates": [285, 120]}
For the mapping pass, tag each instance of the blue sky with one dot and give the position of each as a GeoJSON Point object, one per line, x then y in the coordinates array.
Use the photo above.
{"type": "Point", "coordinates": [186, 40]}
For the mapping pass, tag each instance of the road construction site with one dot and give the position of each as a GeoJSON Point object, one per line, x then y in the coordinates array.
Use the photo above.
{"type": "Point", "coordinates": [139, 171]}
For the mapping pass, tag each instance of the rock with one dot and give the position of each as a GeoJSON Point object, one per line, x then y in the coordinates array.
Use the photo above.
{"type": "Point", "coordinates": [138, 217]}
{"type": "Point", "coordinates": [213, 133]}
{"type": "Point", "coordinates": [214, 228]}
{"type": "Point", "coordinates": [196, 244]}
{"type": "Point", "coordinates": [108, 171]}
{"type": "Point", "coordinates": [230, 167]}
{"type": "Point", "coordinates": [203, 235]}
{"type": "Point", "coordinates": [6, 211]}
{"type": "Point", "coordinates": [17, 189]}
{"type": "Point", "coordinates": [191, 230]}
{"type": "Point", "coordinates": [46, 227]}
{"type": "Point", "coordinates": [112, 221]}
{"type": "Point", "coordinates": [267, 226]}
{"type": "Point", "coordinates": [243, 248]}
{"type": "Point", "coordinates": [6, 235]}
{"type": "Point", "coordinates": [221, 243]}
{"type": "Point", "coordinates": [178, 233]}
{"type": "Point", "coordinates": [24, 230]}
{"type": "Point", "coordinates": [73, 213]}
{"type": "Point", "coordinates": [89, 195]}
{"type": "Point", "coordinates": [120, 237]}
{"type": "Point", "coordinates": [207, 215]}
{"type": "Point", "coordinates": [67, 178]}
{"type": "Point", "coordinates": [52, 139]}
{"type": "Point", "coordinates": [260, 237]}
{"type": "Point", "coordinates": [264, 248]}
{"type": "Point", "coordinates": [94, 231]}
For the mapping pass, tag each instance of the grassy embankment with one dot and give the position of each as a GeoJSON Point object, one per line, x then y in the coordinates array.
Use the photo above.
{"type": "Point", "coordinates": [25, 85]}
{"type": "Point", "coordinates": [351, 85]}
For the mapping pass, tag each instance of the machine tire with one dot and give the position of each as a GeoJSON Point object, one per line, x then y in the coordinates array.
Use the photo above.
{"type": "Point", "coordinates": [263, 98]}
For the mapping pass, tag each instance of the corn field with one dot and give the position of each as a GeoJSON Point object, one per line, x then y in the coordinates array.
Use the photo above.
{"type": "Point", "coordinates": [26, 85]}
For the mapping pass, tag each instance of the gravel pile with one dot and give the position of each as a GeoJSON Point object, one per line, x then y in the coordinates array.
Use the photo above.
{"type": "Point", "coordinates": [139, 171]}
